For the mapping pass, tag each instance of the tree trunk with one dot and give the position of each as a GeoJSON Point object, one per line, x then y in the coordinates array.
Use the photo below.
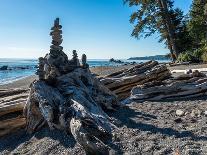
{"type": "Point", "coordinates": [166, 19]}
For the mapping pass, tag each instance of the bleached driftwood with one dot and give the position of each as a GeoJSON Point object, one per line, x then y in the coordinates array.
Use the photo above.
{"type": "Point", "coordinates": [13, 106]}
{"type": "Point", "coordinates": [12, 102]}
{"type": "Point", "coordinates": [75, 103]}
{"type": "Point", "coordinates": [9, 92]}
{"type": "Point", "coordinates": [183, 87]}
{"type": "Point", "coordinates": [121, 83]}
{"type": "Point", "coordinates": [11, 125]}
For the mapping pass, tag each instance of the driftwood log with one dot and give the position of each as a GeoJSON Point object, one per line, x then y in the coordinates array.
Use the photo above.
{"type": "Point", "coordinates": [182, 87]}
{"type": "Point", "coordinates": [68, 97]}
{"type": "Point", "coordinates": [122, 82]}
{"type": "Point", "coordinates": [11, 125]}
{"type": "Point", "coordinates": [12, 102]}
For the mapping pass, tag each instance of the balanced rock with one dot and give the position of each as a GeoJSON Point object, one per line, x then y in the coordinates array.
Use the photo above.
{"type": "Point", "coordinates": [84, 61]}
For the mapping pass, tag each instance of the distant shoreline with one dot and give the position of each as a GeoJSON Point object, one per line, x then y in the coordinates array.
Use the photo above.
{"type": "Point", "coordinates": [155, 57]}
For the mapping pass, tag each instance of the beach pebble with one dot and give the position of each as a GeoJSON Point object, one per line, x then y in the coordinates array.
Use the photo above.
{"type": "Point", "coordinates": [178, 120]}
{"type": "Point", "coordinates": [179, 112]}
{"type": "Point", "coordinates": [195, 113]}
{"type": "Point", "coordinates": [205, 113]}
{"type": "Point", "coordinates": [188, 71]}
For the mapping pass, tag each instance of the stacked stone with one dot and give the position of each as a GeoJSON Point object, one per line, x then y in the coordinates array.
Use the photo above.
{"type": "Point", "coordinates": [84, 61]}
{"type": "Point", "coordinates": [75, 60]}
{"type": "Point", "coordinates": [55, 48]}
{"type": "Point", "coordinates": [40, 70]}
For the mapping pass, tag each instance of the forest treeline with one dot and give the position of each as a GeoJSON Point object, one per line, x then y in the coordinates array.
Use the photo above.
{"type": "Point", "coordinates": [185, 35]}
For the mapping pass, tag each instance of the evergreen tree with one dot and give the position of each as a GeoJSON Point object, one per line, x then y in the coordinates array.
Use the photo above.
{"type": "Point", "coordinates": [198, 22]}
{"type": "Point", "coordinates": [181, 34]}
{"type": "Point", "coordinates": [157, 16]}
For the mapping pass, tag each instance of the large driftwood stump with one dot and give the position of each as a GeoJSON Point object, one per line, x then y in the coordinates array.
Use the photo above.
{"type": "Point", "coordinates": [12, 102]}
{"type": "Point", "coordinates": [68, 97]}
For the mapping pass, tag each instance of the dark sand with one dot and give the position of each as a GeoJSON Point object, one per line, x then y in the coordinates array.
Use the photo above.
{"type": "Point", "coordinates": [143, 128]}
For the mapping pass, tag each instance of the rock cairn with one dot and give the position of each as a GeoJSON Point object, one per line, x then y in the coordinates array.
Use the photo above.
{"type": "Point", "coordinates": [56, 63]}
{"type": "Point", "coordinates": [56, 34]}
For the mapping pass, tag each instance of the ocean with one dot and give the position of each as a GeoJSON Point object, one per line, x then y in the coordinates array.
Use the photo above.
{"type": "Point", "coordinates": [20, 68]}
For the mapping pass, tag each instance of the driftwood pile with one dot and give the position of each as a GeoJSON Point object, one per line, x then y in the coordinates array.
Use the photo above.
{"type": "Point", "coordinates": [182, 87]}
{"type": "Point", "coordinates": [12, 102]}
{"type": "Point", "coordinates": [122, 82]}
{"type": "Point", "coordinates": [69, 98]}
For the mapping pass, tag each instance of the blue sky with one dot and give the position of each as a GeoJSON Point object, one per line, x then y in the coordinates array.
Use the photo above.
{"type": "Point", "coordinates": [99, 28]}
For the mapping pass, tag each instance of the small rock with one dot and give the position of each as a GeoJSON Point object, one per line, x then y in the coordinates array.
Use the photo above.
{"type": "Point", "coordinates": [195, 113]}
{"type": "Point", "coordinates": [4, 68]}
{"type": "Point", "coordinates": [179, 112]}
{"type": "Point", "coordinates": [205, 113]}
{"type": "Point", "coordinates": [178, 120]}
{"type": "Point", "coordinates": [193, 120]}
{"type": "Point", "coordinates": [189, 71]}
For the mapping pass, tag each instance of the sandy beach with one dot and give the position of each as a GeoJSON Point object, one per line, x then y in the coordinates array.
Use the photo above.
{"type": "Point", "coordinates": [147, 127]}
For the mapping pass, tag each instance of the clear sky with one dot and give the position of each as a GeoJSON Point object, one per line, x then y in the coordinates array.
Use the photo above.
{"type": "Point", "coordinates": [99, 28]}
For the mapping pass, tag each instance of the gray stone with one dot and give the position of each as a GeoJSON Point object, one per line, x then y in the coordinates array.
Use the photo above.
{"type": "Point", "coordinates": [54, 47]}
{"type": "Point", "coordinates": [179, 112]}
{"type": "Point", "coordinates": [195, 113]}
{"type": "Point", "coordinates": [189, 71]}
{"type": "Point", "coordinates": [84, 61]}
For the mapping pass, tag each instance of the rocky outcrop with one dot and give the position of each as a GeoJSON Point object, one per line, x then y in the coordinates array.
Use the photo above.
{"type": "Point", "coordinates": [116, 61]}
{"type": "Point", "coordinates": [4, 68]}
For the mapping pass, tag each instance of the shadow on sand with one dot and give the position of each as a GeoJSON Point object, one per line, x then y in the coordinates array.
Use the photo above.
{"type": "Point", "coordinates": [126, 114]}
{"type": "Point", "coordinates": [11, 142]}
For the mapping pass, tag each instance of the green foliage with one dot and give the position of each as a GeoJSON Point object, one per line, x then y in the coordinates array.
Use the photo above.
{"type": "Point", "coordinates": [197, 25]}
{"type": "Point", "coordinates": [204, 53]}
{"type": "Point", "coordinates": [197, 55]}
{"type": "Point", "coordinates": [204, 57]}
{"type": "Point", "coordinates": [183, 35]}
{"type": "Point", "coordinates": [184, 57]}
{"type": "Point", "coordinates": [160, 17]}
{"type": "Point", "coordinates": [144, 19]}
